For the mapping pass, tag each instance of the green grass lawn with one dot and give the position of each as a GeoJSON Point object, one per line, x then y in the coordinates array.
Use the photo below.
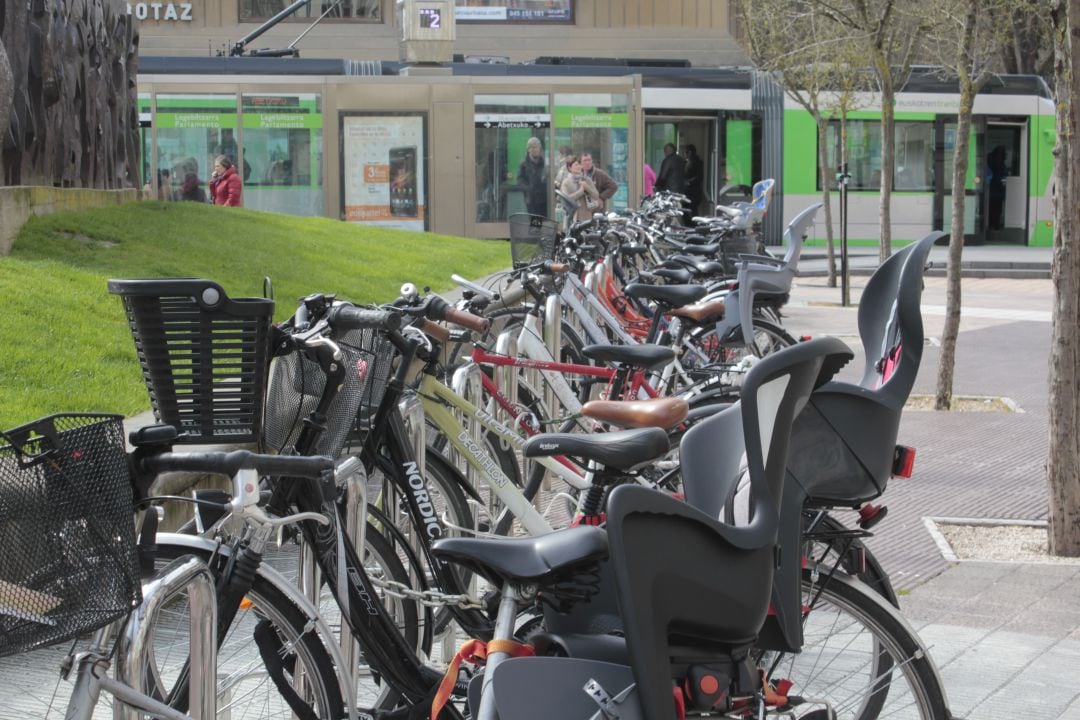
{"type": "Point", "coordinates": [66, 345]}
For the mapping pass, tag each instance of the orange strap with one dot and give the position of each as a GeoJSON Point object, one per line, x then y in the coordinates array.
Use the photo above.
{"type": "Point", "coordinates": [475, 652]}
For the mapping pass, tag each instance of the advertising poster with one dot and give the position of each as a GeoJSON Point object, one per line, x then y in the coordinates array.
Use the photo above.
{"type": "Point", "coordinates": [513, 11]}
{"type": "Point", "coordinates": [384, 170]}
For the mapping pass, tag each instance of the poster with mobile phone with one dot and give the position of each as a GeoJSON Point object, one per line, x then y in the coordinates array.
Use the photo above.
{"type": "Point", "coordinates": [383, 170]}
{"type": "Point", "coordinates": [403, 181]}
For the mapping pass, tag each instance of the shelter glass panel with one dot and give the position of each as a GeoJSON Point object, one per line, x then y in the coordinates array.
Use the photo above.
{"type": "Point", "coordinates": [597, 124]}
{"type": "Point", "coordinates": [508, 179]}
{"type": "Point", "coordinates": [283, 152]}
{"type": "Point", "coordinates": [191, 131]}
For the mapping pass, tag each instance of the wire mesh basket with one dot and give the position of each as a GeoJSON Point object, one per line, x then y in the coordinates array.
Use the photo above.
{"type": "Point", "coordinates": [532, 239]}
{"type": "Point", "coordinates": [296, 383]}
{"type": "Point", "coordinates": [69, 563]}
{"type": "Point", "coordinates": [204, 356]}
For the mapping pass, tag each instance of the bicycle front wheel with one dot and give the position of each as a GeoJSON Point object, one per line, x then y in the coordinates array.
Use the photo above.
{"type": "Point", "coordinates": [246, 688]}
{"type": "Point", "coordinates": [859, 658]}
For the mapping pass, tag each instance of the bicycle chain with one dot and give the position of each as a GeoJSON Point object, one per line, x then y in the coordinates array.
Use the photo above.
{"type": "Point", "coordinates": [428, 598]}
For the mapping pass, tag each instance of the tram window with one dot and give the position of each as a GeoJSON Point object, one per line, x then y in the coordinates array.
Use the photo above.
{"type": "Point", "coordinates": [914, 151]}
{"type": "Point", "coordinates": [357, 10]}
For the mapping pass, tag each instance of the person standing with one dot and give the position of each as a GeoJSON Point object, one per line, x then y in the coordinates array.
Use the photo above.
{"type": "Point", "coordinates": [533, 178]}
{"type": "Point", "coordinates": [225, 185]}
{"type": "Point", "coordinates": [191, 190]}
{"type": "Point", "coordinates": [604, 183]}
{"type": "Point", "coordinates": [580, 189]}
{"type": "Point", "coordinates": [649, 178]}
{"type": "Point", "coordinates": [695, 181]}
{"type": "Point", "coordinates": [672, 175]}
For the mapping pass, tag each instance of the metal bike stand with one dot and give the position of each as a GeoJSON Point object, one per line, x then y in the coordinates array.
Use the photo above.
{"type": "Point", "coordinates": [553, 340]}
{"type": "Point", "coordinates": [506, 344]}
{"type": "Point", "coordinates": [467, 383]}
{"type": "Point", "coordinates": [185, 573]}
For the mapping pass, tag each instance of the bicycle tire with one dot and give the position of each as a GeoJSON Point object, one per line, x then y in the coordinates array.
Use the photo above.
{"type": "Point", "coordinates": [860, 656]}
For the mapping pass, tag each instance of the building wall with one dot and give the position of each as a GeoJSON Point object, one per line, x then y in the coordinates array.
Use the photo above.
{"type": "Point", "coordinates": [694, 30]}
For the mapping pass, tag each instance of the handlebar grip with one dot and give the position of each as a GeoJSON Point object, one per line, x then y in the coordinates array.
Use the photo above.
{"type": "Point", "coordinates": [434, 330]}
{"type": "Point", "coordinates": [467, 320]}
{"type": "Point", "coordinates": [350, 317]}
{"type": "Point", "coordinates": [230, 463]}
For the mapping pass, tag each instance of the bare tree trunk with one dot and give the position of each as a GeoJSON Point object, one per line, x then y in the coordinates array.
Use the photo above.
{"type": "Point", "coordinates": [888, 159]}
{"type": "Point", "coordinates": [947, 361]}
{"type": "Point", "coordinates": [826, 178]}
{"type": "Point", "coordinates": [1063, 461]}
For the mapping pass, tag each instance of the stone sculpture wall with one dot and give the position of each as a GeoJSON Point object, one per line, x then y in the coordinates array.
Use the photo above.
{"type": "Point", "coordinates": [68, 112]}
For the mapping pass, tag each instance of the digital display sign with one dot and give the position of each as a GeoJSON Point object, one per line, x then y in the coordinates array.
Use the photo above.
{"type": "Point", "coordinates": [431, 18]}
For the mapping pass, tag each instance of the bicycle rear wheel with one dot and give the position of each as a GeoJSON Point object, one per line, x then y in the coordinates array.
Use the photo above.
{"type": "Point", "coordinates": [859, 657]}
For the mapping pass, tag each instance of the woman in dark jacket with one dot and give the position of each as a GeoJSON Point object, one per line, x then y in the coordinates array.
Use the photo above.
{"type": "Point", "coordinates": [225, 185]}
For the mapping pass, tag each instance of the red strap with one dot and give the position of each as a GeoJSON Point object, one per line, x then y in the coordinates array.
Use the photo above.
{"type": "Point", "coordinates": [774, 697]}
{"type": "Point", "coordinates": [680, 703]}
{"type": "Point", "coordinates": [475, 652]}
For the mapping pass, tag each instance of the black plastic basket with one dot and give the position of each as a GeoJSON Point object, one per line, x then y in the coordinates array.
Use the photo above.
{"type": "Point", "coordinates": [296, 383]}
{"type": "Point", "coordinates": [204, 356]}
{"type": "Point", "coordinates": [69, 563]}
{"type": "Point", "coordinates": [532, 239]}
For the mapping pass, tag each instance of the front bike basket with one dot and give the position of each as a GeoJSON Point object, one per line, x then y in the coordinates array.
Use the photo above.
{"type": "Point", "coordinates": [296, 384]}
{"type": "Point", "coordinates": [532, 239]}
{"type": "Point", "coordinates": [204, 356]}
{"type": "Point", "coordinates": [69, 564]}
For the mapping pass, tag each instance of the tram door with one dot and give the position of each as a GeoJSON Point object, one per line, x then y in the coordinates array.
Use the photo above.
{"type": "Point", "coordinates": [996, 195]}
{"type": "Point", "coordinates": [680, 131]}
{"type": "Point", "coordinates": [1005, 180]}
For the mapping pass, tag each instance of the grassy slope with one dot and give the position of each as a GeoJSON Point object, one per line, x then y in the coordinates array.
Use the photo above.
{"type": "Point", "coordinates": [65, 343]}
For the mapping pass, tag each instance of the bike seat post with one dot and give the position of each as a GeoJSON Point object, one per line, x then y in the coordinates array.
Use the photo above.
{"type": "Point", "coordinates": [512, 595]}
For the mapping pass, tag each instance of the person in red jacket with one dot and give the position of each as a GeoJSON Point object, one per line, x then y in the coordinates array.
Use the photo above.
{"type": "Point", "coordinates": [225, 185]}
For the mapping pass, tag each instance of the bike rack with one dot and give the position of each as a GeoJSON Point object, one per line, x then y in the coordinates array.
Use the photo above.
{"type": "Point", "coordinates": [185, 573]}
{"type": "Point", "coordinates": [467, 383]}
{"type": "Point", "coordinates": [506, 344]}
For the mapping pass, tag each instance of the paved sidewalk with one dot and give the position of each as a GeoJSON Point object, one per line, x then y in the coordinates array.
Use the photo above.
{"type": "Point", "coordinates": [1006, 636]}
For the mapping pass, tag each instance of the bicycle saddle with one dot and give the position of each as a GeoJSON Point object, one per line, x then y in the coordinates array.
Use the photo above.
{"type": "Point", "coordinates": [622, 450]}
{"type": "Point", "coordinates": [527, 558]}
{"type": "Point", "coordinates": [673, 295]}
{"type": "Point", "coordinates": [663, 413]}
{"type": "Point", "coordinates": [710, 249]}
{"type": "Point", "coordinates": [701, 312]}
{"type": "Point", "coordinates": [675, 275]}
{"type": "Point", "coordinates": [649, 357]}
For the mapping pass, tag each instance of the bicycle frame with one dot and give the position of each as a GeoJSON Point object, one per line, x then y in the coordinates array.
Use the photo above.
{"type": "Point", "coordinates": [439, 403]}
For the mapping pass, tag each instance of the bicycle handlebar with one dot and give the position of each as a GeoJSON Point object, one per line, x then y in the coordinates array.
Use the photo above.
{"type": "Point", "coordinates": [350, 317]}
{"type": "Point", "coordinates": [438, 309]}
{"type": "Point", "coordinates": [230, 463]}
